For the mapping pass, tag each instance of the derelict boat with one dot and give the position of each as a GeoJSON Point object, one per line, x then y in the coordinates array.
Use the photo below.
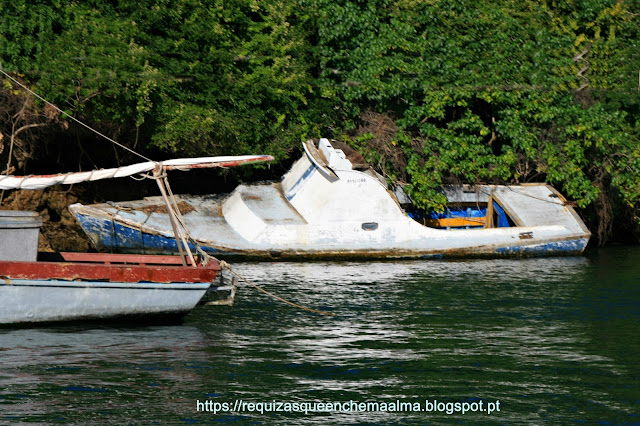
{"type": "Point", "coordinates": [327, 206]}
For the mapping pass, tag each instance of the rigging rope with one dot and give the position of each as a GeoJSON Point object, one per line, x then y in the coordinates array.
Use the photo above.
{"type": "Point", "coordinates": [180, 229]}
{"type": "Point", "coordinates": [226, 266]}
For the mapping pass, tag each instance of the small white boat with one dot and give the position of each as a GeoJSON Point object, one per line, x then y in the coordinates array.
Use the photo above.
{"type": "Point", "coordinates": [100, 286]}
{"type": "Point", "coordinates": [96, 286]}
{"type": "Point", "coordinates": [327, 206]}
{"type": "Point", "coordinates": [80, 286]}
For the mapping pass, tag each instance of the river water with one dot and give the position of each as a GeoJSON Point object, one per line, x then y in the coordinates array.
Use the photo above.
{"type": "Point", "coordinates": [535, 340]}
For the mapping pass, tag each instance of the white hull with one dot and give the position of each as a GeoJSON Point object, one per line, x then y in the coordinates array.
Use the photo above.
{"type": "Point", "coordinates": [322, 207]}
{"type": "Point", "coordinates": [54, 300]}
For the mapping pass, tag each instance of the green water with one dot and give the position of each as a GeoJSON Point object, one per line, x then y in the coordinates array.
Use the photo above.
{"type": "Point", "coordinates": [552, 340]}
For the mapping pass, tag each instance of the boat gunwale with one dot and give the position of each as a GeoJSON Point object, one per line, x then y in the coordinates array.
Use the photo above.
{"type": "Point", "coordinates": [98, 269]}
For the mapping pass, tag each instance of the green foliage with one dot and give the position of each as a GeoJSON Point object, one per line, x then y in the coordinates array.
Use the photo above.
{"type": "Point", "coordinates": [197, 78]}
{"type": "Point", "coordinates": [237, 77]}
{"type": "Point", "coordinates": [476, 91]}
{"type": "Point", "coordinates": [493, 92]}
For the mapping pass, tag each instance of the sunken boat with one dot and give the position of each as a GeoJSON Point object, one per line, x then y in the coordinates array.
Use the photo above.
{"type": "Point", "coordinates": [330, 205]}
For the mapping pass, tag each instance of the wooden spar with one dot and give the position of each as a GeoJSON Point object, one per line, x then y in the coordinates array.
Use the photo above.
{"type": "Point", "coordinates": [177, 231]}
{"type": "Point", "coordinates": [173, 224]}
{"type": "Point", "coordinates": [455, 222]}
{"type": "Point", "coordinates": [176, 212]}
{"type": "Point", "coordinates": [221, 162]}
{"type": "Point", "coordinates": [490, 211]}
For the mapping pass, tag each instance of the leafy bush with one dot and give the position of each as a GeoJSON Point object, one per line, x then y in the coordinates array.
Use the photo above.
{"type": "Point", "coordinates": [430, 91]}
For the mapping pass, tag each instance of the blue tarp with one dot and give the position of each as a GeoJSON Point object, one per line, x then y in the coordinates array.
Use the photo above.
{"type": "Point", "coordinates": [462, 212]}
{"type": "Point", "coordinates": [503, 221]}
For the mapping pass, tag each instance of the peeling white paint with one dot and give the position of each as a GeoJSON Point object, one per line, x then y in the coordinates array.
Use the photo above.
{"type": "Point", "coordinates": [321, 204]}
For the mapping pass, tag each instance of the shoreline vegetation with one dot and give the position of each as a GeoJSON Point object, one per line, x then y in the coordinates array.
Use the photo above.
{"type": "Point", "coordinates": [429, 92]}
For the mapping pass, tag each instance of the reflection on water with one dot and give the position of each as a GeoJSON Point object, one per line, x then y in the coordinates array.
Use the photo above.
{"type": "Point", "coordinates": [367, 273]}
{"type": "Point", "coordinates": [552, 339]}
{"type": "Point", "coordinates": [76, 345]}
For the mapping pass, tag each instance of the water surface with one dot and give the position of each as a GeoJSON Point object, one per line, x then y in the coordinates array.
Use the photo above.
{"type": "Point", "coordinates": [553, 340]}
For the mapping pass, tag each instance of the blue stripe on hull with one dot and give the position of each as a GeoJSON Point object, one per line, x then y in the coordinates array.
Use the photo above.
{"type": "Point", "coordinates": [575, 246]}
{"type": "Point", "coordinates": [113, 236]}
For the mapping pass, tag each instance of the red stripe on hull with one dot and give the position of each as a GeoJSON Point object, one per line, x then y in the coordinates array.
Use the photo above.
{"type": "Point", "coordinates": [112, 268]}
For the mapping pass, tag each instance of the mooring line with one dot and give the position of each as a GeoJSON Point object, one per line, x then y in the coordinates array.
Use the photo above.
{"type": "Point", "coordinates": [226, 266]}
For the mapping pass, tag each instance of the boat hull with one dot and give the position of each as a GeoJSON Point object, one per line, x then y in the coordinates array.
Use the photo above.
{"type": "Point", "coordinates": [324, 208]}
{"type": "Point", "coordinates": [108, 235]}
{"type": "Point", "coordinates": [100, 286]}
{"type": "Point", "coordinates": [27, 301]}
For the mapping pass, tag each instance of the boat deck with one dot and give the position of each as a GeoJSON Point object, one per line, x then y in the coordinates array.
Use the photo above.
{"type": "Point", "coordinates": [524, 205]}
{"type": "Point", "coordinates": [204, 214]}
{"type": "Point", "coordinates": [269, 204]}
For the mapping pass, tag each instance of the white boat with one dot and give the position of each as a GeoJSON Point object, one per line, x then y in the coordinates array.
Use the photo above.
{"type": "Point", "coordinates": [100, 286]}
{"type": "Point", "coordinates": [80, 286]}
{"type": "Point", "coordinates": [329, 206]}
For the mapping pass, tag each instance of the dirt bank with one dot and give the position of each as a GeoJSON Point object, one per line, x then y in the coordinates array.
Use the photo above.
{"type": "Point", "coordinates": [59, 231]}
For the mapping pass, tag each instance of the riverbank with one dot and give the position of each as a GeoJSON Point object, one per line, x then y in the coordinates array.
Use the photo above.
{"type": "Point", "coordinates": [60, 231]}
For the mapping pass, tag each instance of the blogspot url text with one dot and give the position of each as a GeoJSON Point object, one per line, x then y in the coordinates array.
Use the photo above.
{"type": "Point", "coordinates": [426, 406]}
